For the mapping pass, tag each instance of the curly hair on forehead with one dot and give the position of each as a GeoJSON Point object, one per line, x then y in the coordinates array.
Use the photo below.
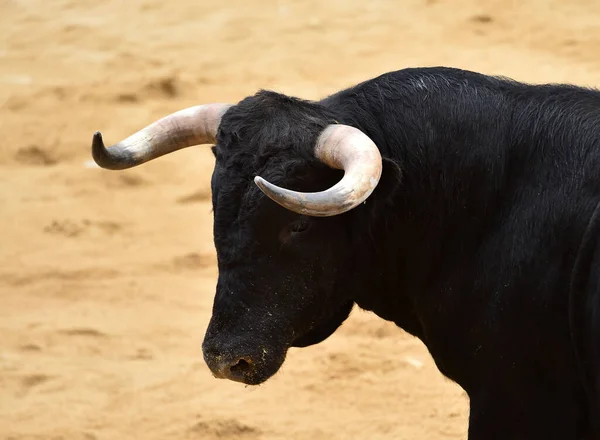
{"type": "Point", "coordinates": [268, 123]}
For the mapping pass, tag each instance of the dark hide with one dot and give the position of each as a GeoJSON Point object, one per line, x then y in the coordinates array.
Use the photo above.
{"type": "Point", "coordinates": [324, 329]}
{"type": "Point", "coordinates": [469, 241]}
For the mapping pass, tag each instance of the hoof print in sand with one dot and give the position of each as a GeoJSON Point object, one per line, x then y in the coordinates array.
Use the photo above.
{"type": "Point", "coordinates": [192, 261]}
{"type": "Point", "coordinates": [34, 155]}
{"type": "Point", "coordinates": [84, 331]}
{"type": "Point", "coordinates": [70, 228]}
{"type": "Point", "coordinates": [201, 195]}
{"type": "Point", "coordinates": [229, 428]}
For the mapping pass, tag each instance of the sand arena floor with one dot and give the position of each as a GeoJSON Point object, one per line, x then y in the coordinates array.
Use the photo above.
{"type": "Point", "coordinates": [107, 279]}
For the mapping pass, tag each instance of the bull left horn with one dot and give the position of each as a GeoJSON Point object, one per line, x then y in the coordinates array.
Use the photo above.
{"type": "Point", "coordinates": [341, 147]}
{"type": "Point", "coordinates": [184, 128]}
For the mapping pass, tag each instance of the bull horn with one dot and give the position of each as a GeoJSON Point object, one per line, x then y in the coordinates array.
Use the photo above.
{"type": "Point", "coordinates": [340, 147]}
{"type": "Point", "coordinates": [184, 128]}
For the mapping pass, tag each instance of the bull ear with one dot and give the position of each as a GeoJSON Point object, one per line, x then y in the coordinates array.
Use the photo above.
{"type": "Point", "coordinates": [389, 184]}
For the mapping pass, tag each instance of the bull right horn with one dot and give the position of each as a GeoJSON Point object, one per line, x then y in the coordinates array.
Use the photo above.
{"type": "Point", "coordinates": [184, 128]}
{"type": "Point", "coordinates": [341, 147]}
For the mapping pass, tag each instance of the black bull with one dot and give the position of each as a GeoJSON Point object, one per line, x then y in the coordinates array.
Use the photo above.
{"type": "Point", "coordinates": [479, 233]}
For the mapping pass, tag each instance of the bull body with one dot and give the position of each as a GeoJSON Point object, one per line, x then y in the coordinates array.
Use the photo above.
{"type": "Point", "coordinates": [481, 239]}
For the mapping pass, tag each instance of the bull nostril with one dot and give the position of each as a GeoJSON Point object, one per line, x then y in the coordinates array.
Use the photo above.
{"type": "Point", "coordinates": [242, 367]}
{"type": "Point", "coordinates": [235, 368]}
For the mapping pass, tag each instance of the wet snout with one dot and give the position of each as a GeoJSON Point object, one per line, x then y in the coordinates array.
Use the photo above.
{"type": "Point", "coordinates": [227, 366]}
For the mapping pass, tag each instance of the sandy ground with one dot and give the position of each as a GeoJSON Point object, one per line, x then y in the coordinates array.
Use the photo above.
{"type": "Point", "coordinates": [107, 279]}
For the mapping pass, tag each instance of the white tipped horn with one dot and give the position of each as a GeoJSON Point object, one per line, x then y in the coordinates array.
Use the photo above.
{"type": "Point", "coordinates": [184, 128]}
{"type": "Point", "coordinates": [341, 147]}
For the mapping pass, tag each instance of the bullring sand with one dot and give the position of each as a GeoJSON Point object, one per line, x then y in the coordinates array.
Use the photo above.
{"type": "Point", "coordinates": [107, 279]}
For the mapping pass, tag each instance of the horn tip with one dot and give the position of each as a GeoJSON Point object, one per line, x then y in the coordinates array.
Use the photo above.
{"type": "Point", "coordinates": [110, 160]}
{"type": "Point", "coordinates": [97, 147]}
{"type": "Point", "coordinates": [265, 186]}
{"type": "Point", "coordinates": [97, 142]}
{"type": "Point", "coordinates": [260, 182]}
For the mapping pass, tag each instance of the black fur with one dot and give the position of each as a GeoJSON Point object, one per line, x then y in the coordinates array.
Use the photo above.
{"type": "Point", "coordinates": [469, 241]}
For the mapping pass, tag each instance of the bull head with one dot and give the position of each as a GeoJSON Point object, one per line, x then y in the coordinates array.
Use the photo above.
{"type": "Point", "coordinates": [279, 280]}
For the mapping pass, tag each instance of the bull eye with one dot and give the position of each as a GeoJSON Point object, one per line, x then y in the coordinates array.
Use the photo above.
{"type": "Point", "coordinates": [294, 228]}
{"type": "Point", "coordinates": [299, 226]}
